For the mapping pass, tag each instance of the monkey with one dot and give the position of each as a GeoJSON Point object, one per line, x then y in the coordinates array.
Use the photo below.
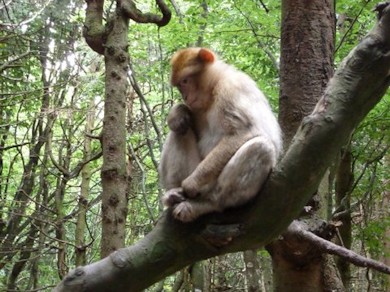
{"type": "Point", "coordinates": [223, 141]}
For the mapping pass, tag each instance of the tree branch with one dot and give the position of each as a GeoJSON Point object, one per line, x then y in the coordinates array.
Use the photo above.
{"type": "Point", "coordinates": [94, 31]}
{"type": "Point", "coordinates": [356, 87]}
{"type": "Point", "coordinates": [132, 12]}
{"type": "Point", "coordinates": [4, 148]}
{"type": "Point", "coordinates": [330, 247]}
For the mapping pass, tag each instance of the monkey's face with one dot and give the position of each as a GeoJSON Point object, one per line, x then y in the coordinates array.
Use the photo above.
{"type": "Point", "coordinates": [189, 90]}
{"type": "Point", "coordinates": [188, 75]}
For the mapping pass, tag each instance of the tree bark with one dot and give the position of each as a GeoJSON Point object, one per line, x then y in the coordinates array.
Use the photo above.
{"type": "Point", "coordinates": [252, 271]}
{"type": "Point", "coordinates": [86, 174]}
{"type": "Point", "coordinates": [112, 41]}
{"type": "Point", "coordinates": [357, 86]}
{"type": "Point", "coordinates": [306, 60]}
{"type": "Point", "coordinates": [306, 65]}
{"type": "Point", "coordinates": [344, 180]}
{"type": "Point", "coordinates": [114, 169]}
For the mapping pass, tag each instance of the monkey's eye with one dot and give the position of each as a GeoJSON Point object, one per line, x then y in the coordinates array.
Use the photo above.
{"type": "Point", "coordinates": [184, 81]}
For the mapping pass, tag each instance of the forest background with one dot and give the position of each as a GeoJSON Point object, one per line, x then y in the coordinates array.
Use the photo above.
{"type": "Point", "coordinates": [51, 115]}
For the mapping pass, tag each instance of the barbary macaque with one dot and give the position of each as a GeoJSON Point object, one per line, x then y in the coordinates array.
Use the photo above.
{"type": "Point", "coordinates": [224, 138]}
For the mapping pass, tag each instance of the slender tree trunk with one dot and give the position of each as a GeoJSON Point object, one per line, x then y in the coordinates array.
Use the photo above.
{"type": "Point", "coordinates": [42, 225]}
{"type": "Point", "coordinates": [62, 267]}
{"type": "Point", "coordinates": [203, 26]}
{"type": "Point", "coordinates": [252, 271]}
{"type": "Point", "coordinates": [386, 239]}
{"type": "Point", "coordinates": [114, 169]}
{"type": "Point", "coordinates": [179, 280]}
{"type": "Point", "coordinates": [111, 40]}
{"type": "Point", "coordinates": [344, 180]}
{"type": "Point", "coordinates": [25, 255]}
{"type": "Point", "coordinates": [84, 190]}
{"type": "Point", "coordinates": [63, 161]}
{"type": "Point", "coordinates": [197, 276]}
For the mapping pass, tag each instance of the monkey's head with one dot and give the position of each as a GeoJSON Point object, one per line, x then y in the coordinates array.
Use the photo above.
{"type": "Point", "coordinates": [188, 75]}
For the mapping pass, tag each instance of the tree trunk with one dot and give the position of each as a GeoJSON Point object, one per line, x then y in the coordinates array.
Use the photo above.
{"type": "Point", "coordinates": [111, 41]}
{"type": "Point", "coordinates": [80, 249]}
{"type": "Point", "coordinates": [307, 47]}
{"type": "Point", "coordinates": [25, 255]}
{"type": "Point", "coordinates": [306, 60]}
{"type": "Point", "coordinates": [344, 180]}
{"type": "Point", "coordinates": [386, 239]}
{"type": "Point", "coordinates": [252, 271]}
{"type": "Point", "coordinates": [197, 276]}
{"type": "Point", "coordinates": [114, 169]}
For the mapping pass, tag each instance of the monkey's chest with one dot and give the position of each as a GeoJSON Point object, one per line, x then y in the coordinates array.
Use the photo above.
{"type": "Point", "coordinates": [208, 139]}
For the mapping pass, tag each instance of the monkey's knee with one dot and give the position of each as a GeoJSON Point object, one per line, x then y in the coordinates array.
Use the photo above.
{"type": "Point", "coordinates": [242, 178]}
{"type": "Point", "coordinates": [257, 153]}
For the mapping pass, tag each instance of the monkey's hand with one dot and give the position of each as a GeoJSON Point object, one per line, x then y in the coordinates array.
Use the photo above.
{"type": "Point", "coordinates": [173, 197]}
{"type": "Point", "coordinates": [180, 119]}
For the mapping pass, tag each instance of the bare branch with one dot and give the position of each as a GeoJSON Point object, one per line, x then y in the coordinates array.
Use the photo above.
{"type": "Point", "coordinates": [76, 171]}
{"type": "Point", "coordinates": [177, 11]}
{"type": "Point", "coordinates": [264, 6]}
{"type": "Point", "coordinates": [132, 12]}
{"type": "Point", "coordinates": [3, 148]}
{"type": "Point", "coordinates": [332, 248]}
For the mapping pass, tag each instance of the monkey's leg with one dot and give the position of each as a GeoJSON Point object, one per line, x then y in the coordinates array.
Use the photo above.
{"type": "Point", "coordinates": [243, 176]}
{"type": "Point", "coordinates": [179, 158]}
{"type": "Point", "coordinates": [240, 180]}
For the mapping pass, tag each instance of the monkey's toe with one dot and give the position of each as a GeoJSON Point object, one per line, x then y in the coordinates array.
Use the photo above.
{"type": "Point", "coordinates": [184, 212]}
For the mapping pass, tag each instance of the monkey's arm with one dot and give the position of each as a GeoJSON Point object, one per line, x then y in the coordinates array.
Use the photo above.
{"type": "Point", "coordinates": [203, 178]}
{"type": "Point", "coordinates": [180, 119]}
{"type": "Point", "coordinates": [237, 128]}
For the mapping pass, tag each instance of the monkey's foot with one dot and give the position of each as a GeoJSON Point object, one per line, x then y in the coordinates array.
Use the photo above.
{"type": "Point", "coordinates": [184, 212]}
{"type": "Point", "coordinates": [173, 197]}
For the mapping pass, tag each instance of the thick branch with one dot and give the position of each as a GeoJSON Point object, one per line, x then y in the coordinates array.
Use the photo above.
{"type": "Point", "coordinates": [330, 247]}
{"type": "Point", "coordinates": [94, 30]}
{"type": "Point", "coordinates": [357, 86]}
{"type": "Point", "coordinates": [132, 12]}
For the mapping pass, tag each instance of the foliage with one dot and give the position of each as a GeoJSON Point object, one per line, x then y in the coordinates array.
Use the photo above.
{"type": "Point", "coordinates": [48, 77]}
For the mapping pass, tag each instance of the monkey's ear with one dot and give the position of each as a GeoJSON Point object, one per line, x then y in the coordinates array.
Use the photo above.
{"type": "Point", "coordinates": [206, 56]}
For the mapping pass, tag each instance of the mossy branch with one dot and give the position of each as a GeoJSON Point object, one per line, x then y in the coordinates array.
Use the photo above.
{"type": "Point", "coordinates": [131, 11]}
{"type": "Point", "coordinates": [94, 30]}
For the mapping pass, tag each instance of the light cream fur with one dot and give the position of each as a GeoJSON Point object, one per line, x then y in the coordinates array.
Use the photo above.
{"type": "Point", "coordinates": [230, 147]}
